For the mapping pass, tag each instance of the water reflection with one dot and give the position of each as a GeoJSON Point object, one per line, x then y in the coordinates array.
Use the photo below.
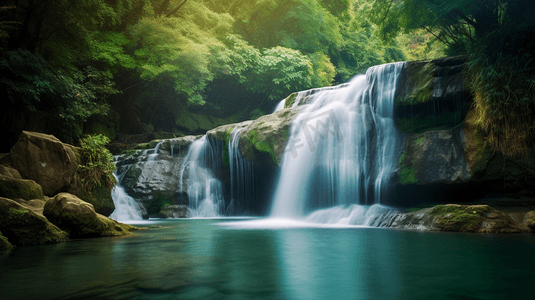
{"type": "Point", "coordinates": [197, 259]}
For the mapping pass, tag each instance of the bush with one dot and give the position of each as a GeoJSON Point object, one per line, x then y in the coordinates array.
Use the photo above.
{"type": "Point", "coordinates": [96, 167]}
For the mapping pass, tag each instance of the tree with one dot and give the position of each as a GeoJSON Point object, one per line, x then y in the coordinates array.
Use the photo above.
{"type": "Point", "coordinates": [498, 36]}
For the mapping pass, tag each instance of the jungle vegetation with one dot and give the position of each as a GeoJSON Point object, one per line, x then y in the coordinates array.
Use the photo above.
{"type": "Point", "coordinates": [146, 66]}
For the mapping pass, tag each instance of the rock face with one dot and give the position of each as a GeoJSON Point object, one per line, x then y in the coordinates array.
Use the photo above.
{"type": "Point", "coordinates": [264, 140]}
{"type": "Point", "coordinates": [174, 211]}
{"type": "Point", "coordinates": [46, 160]}
{"type": "Point", "coordinates": [79, 218]}
{"type": "Point", "coordinates": [22, 226]}
{"type": "Point", "coordinates": [443, 158]}
{"type": "Point", "coordinates": [153, 179]}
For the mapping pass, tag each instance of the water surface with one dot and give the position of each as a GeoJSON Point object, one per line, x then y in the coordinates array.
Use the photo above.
{"type": "Point", "coordinates": [206, 259]}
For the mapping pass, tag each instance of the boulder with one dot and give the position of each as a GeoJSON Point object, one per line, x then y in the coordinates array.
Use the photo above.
{"type": "Point", "coordinates": [9, 172]}
{"type": "Point", "coordinates": [21, 226]}
{"type": "Point", "coordinates": [13, 188]}
{"type": "Point", "coordinates": [4, 243]}
{"type": "Point", "coordinates": [46, 160]}
{"type": "Point", "coordinates": [151, 174]}
{"type": "Point", "coordinates": [79, 218]}
{"type": "Point", "coordinates": [174, 211]}
{"type": "Point", "coordinates": [529, 219]}
{"type": "Point", "coordinates": [461, 218]}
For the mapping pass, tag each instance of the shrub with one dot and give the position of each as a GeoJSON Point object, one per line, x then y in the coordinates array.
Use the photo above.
{"type": "Point", "coordinates": [96, 167]}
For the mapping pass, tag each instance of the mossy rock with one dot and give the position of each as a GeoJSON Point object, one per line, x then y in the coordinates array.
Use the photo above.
{"type": "Point", "coordinates": [22, 226]}
{"type": "Point", "coordinates": [79, 218]}
{"type": "Point", "coordinates": [289, 101]}
{"type": "Point", "coordinates": [4, 243]}
{"type": "Point", "coordinates": [101, 200]}
{"type": "Point", "coordinates": [265, 139]}
{"type": "Point", "coordinates": [26, 189]}
{"type": "Point", "coordinates": [529, 219]}
{"type": "Point", "coordinates": [473, 218]}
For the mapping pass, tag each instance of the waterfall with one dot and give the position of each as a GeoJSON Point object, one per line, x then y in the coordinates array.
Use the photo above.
{"type": "Point", "coordinates": [279, 106]}
{"type": "Point", "coordinates": [343, 147]}
{"type": "Point", "coordinates": [242, 179]}
{"type": "Point", "coordinates": [205, 191]}
{"type": "Point", "coordinates": [126, 208]}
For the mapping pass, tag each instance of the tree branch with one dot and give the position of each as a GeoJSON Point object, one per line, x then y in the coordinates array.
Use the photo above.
{"type": "Point", "coordinates": [176, 9]}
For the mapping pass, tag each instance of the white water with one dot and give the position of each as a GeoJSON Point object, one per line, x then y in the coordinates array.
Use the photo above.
{"type": "Point", "coordinates": [205, 191]}
{"type": "Point", "coordinates": [342, 149]}
{"type": "Point", "coordinates": [242, 179]}
{"type": "Point", "coordinates": [280, 105]}
{"type": "Point", "coordinates": [126, 208]}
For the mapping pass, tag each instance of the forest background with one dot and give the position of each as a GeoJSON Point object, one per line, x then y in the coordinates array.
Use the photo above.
{"type": "Point", "coordinates": [165, 68]}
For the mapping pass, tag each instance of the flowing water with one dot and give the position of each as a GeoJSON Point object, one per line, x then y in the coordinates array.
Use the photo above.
{"type": "Point", "coordinates": [205, 191]}
{"type": "Point", "coordinates": [343, 147]}
{"type": "Point", "coordinates": [126, 208]}
{"type": "Point", "coordinates": [223, 259]}
{"type": "Point", "coordinates": [242, 176]}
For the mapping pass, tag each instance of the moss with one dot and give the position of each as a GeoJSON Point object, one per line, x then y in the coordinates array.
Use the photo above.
{"type": "Point", "coordinates": [101, 200]}
{"type": "Point", "coordinates": [261, 145]}
{"type": "Point", "coordinates": [24, 227]}
{"type": "Point", "coordinates": [158, 202]}
{"type": "Point", "coordinates": [12, 188]}
{"type": "Point", "coordinates": [79, 219]}
{"type": "Point", "coordinates": [421, 80]}
{"type": "Point", "coordinates": [453, 217]}
{"type": "Point", "coordinates": [4, 243]}
{"type": "Point", "coordinates": [407, 176]}
{"type": "Point", "coordinates": [407, 173]}
{"type": "Point", "coordinates": [225, 154]}
{"type": "Point", "coordinates": [290, 100]}
{"type": "Point", "coordinates": [420, 140]}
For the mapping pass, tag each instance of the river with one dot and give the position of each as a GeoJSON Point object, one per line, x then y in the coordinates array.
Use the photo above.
{"type": "Point", "coordinates": [229, 259]}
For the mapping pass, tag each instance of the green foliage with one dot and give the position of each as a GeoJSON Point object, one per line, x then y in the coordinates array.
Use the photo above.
{"type": "Point", "coordinates": [97, 167]}
{"type": "Point", "coordinates": [255, 114]}
{"type": "Point", "coordinates": [179, 47]}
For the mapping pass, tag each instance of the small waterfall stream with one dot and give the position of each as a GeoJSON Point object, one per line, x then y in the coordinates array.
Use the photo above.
{"type": "Point", "coordinates": [242, 177]}
{"type": "Point", "coordinates": [205, 191]}
{"type": "Point", "coordinates": [126, 208]}
{"type": "Point", "coordinates": [342, 150]}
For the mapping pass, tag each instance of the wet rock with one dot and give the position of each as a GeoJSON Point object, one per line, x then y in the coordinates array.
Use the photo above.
{"type": "Point", "coordinates": [461, 218]}
{"type": "Point", "coordinates": [79, 218]}
{"type": "Point", "coordinates": [13, 188]}
{"type": "Point", "coordinates": [153, 179]}
{"type": "Point", "coordinates": [264, 140]}
{"type": "Point", "coordinates": [21, 226]}
{"type": "Point", "coordinates": [529, 219]}
{"type": "Point", "coordinates": [174, 211]}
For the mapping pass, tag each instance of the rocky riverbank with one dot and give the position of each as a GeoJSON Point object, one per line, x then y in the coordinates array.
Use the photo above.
{"type": "Point", "coordinates": [40, 196]}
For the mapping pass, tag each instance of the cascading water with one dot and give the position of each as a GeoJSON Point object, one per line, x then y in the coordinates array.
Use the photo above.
{"type": "Point", "coordinates": [205, 191]}
{"type": "Point", "coordinates": [126, 208]}
{"type": "Point", "coordinates": [279, 106]}
{"type": "Point", "coordinates": [242, 179]}
{"type": "Point", "coordinates": [342, 150]}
